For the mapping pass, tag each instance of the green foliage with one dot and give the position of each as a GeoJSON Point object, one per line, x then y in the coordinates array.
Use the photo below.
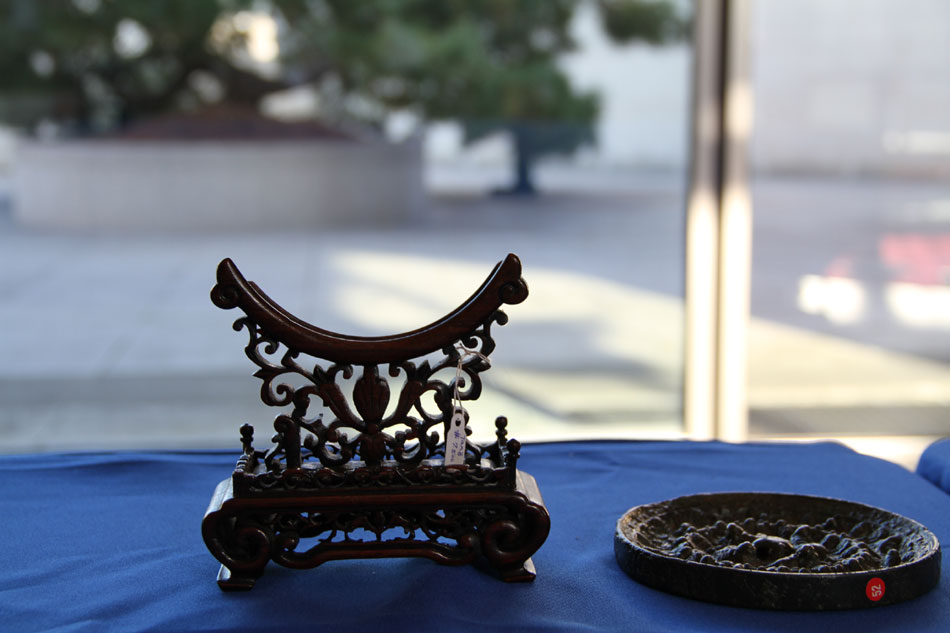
{"type": "Point", "coordinates": [490, 64]}
{"type": "Point", "coordinates": [65, 51]}
{"type": "Point", "coordinates": [654, 22]}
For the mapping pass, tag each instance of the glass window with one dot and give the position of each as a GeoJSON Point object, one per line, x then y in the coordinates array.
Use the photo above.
{"type": "Point", "coordinates": [850, 335]}
{"type": "Point", "coordinates": [366, 164]}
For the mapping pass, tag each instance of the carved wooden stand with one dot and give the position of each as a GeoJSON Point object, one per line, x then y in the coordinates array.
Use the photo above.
{"type": "Point", "coordinates": [351, 487]}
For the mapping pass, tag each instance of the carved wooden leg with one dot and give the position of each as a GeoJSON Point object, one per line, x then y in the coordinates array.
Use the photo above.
{"type": "Point", "coordinates": [242, 546]}
{"type": "Point", "coordinates": [510, 540]}
{"type": "Point", "coordinates": [231, 582]}
{"type": "Point", "coordinates": [523, 573]}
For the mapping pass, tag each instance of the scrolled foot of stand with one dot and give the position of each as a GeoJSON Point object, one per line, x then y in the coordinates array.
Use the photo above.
{"type": "Point", "coordinates": [231, 582]}
{"type": "Point", "coordinates": [523, 573]}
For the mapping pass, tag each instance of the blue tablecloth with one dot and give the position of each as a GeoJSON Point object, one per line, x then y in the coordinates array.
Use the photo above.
{"type": "Point", "coordinates": [99, 542]}
{"type": "Point", "coordinates": [934, 465]}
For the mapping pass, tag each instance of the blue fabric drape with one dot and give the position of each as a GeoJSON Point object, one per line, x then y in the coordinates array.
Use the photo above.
{"type": "Point", "coordinates": [111, 542]}
{"type": "Point", "coordinates": [934, 465]}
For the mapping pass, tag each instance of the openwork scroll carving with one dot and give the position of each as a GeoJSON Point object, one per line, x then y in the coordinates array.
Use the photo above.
{"type": "Point", "coordinates": [360, 414]}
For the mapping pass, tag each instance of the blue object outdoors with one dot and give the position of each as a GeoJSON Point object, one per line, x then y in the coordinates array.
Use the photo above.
{"type": "Point", "coordinates": [934, 464]}
{"type": "Point", "coordinates": [111, 541]}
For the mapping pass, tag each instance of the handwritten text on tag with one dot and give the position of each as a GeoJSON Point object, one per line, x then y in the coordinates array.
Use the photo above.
{"type": "Point", "coordinates": [455, 440]}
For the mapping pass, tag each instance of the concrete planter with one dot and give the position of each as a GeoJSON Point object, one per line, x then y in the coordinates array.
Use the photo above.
{"type": "Point", "coordinates": [225, 185]}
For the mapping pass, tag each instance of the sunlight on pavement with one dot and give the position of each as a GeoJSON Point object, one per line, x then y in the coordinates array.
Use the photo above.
{"type": "Point", "coordinates": [584, 353]}
{"type": "Point", "coordinates": [575, 358]}
{"type": "Point", "coordinates": [797, 368]}
{"type": "Point", "coordinates": [623, 323]}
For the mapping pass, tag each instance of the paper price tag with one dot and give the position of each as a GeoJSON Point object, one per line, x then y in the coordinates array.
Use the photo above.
{"type": "Point", "coordinates": [455, 440]}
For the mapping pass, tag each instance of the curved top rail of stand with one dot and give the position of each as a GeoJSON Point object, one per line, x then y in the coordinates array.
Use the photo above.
{"type": "Point", "coordinates": [503, 285]}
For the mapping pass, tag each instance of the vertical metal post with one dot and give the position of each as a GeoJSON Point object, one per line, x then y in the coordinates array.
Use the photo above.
{"type": "Point", "coordinates": [735, 229]}
{"type": "Point", "coordinates": [718, 225]}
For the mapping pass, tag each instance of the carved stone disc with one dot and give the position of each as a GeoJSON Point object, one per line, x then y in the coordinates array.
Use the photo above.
{"type": "Point", "coordinates": [777, 551]}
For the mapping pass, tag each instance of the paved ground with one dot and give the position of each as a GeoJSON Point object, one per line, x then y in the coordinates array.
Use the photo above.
{"type": "Point", "coordinates": [878, 373]}
{"type": "Point", "coordinates": [111, 341]}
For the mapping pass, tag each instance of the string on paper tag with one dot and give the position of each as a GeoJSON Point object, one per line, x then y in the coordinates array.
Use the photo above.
{"type": "Point", "coordinates": [455, 435]}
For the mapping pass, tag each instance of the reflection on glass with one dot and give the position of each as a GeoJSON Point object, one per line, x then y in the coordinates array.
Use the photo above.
{"type": "Point", "coordinates": [850, 290]}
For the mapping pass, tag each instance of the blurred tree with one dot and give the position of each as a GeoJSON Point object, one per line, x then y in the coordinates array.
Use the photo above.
{"type": "Point", "coordinates": [93, 66]}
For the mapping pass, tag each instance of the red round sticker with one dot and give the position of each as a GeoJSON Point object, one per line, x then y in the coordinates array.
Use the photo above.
{"type": "Point", "coordinates": [875, 589]}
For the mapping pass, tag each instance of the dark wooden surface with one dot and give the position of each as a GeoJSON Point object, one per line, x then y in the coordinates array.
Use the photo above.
{"type": "Point", "coordinates": [503, 285]}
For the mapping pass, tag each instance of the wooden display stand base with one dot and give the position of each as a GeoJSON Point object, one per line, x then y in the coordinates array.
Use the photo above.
{"type": "Point", "coordinates": [352, 487]}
